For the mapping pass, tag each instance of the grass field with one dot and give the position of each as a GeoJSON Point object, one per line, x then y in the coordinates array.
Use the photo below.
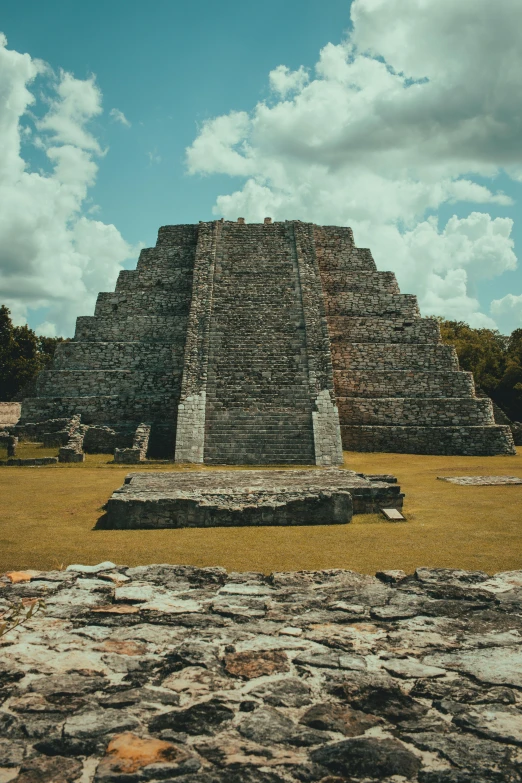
{"type": "Point", "coordinates": [47, 516]}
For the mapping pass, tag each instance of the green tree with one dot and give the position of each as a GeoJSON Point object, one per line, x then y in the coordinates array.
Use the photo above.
{"type": "Point", "coordinates": [509, 390]}
{"type": "Point", "coordinates": [494, 359]}
{"type": "Point", "coordinates": [23, 354]}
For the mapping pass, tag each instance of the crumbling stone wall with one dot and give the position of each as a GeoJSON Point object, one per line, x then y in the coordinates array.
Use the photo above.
{"type": "Point", "coordinates": [9, 413]}
{"type": "Point", "coordinates": [241, 343]}
{"type": "Point", "coordinates": [72, 450]}
{"type": "Point", "coordinates": [9, 442]}
{"type": "Point", "coordinates": [104, 440]}
{"type": "Point", "coordinates": [138, 451]}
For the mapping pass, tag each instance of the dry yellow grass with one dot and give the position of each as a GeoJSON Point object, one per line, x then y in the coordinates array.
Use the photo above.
{"type": "Point", "coordinates": [48, 515]}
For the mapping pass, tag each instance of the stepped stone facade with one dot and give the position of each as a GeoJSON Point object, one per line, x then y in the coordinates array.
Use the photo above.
{"type": "Point", "coordinates": [265, 343]}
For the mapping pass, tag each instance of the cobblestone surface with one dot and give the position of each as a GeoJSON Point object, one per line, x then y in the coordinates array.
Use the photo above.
{"type": "Point", "coordinates": [168, 672]}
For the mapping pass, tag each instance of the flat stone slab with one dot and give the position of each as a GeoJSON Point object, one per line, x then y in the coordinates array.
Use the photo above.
{"type": "Point", "coordinates": [481, 481]}
{"type": "Point", "coordinates": [393, 515]}
{"type": "Point", "coordinates": [28, 463]}
{"type": "Point", "coordinates": [227, 498]}
{"type": "Point", "coordinates": [172, 672]}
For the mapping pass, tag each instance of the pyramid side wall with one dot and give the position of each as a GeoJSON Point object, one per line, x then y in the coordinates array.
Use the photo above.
{"type": "Point", "coordinates": [125, 363]}
{"type": "Point", "coordinates": [397, 387]}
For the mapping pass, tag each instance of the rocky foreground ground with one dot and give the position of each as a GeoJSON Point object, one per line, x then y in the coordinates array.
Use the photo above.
{"type": "Point", "coordinates": [193, 675]}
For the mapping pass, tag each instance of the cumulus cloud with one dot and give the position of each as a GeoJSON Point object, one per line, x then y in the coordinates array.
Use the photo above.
{"type": "Point", "coordinates": [508, 311]}
{"type": "Point", "coordinates": [283, 80]}
{"type": "Point", "coordinates": [118, 116]}
{"type": "Point", "coordinates": [399, 119]}
{"type": "Point", "coordinates": [53, 258]}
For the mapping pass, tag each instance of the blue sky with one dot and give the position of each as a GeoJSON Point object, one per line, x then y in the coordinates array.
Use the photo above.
{"type": "Point", "coordinates": [302, 141]}
{"type": "Point", "coordinates": [168, 65]}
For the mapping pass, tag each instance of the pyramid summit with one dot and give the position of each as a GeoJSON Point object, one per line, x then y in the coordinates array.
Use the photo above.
{"type": "Point", "coordinates": [271, 343]}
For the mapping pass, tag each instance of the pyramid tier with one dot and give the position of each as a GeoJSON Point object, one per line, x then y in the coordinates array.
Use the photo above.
{"type": "Point", "coordinates": [410, 411]}
{"type": "Point", "coordinates": [477, 441]}
{"type": "Point", "coordinates": [179, 279]}
{"type": "Point", "coordinates": [426, 357]}
{"type": "Point", "coordinates": [386, 329]}
{"type": "Point", "coordinates": [85, 383]}
{"type": "Point", "coordinates": [363, 281]}
{"type": "Point", "coordinates": [142, 302]}
{"type": "Point", "coordinates": [132, 328]}
{"type": "Point", "coordinates": [111, 409]}
{"type": "Point", "coordinates": [402, 383]}
{"type": "Point", "coordinates": [361, 303]}
{"type": "Point", "coordinates": [161, 357]}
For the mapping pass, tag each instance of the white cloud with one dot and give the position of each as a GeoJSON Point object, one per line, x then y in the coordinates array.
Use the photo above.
{"type": "Point", "coordinates": [75, 103]}
{"type": "Point", "coordinates": [118, 116]}
{"type": "Point", "coordinates": [508, 312]}
{"type": "Point", "coordinates": [214, 152]}
{"type": "Point", "coordinates": [421, 98]}
{"type": "Point", "coordinates": [52, 257]}
{"type": "Point", "coordinates": [283, 80]}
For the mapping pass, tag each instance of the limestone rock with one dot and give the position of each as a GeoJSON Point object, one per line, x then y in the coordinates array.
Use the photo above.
{"type": "Point", "coordinates": [306, 693]}
{"type": "Point", "coordinates": [368, 757]}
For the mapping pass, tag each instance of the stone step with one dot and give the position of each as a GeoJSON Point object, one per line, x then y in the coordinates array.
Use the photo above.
{"type": "Point", "coordinates": [142, 302]}
{"type": "Point", "coordinates": [183, 234]}
{"type": "Point", "coordinates": [161, 257]}
{"type": "Point", "coordinates": [172, 279]}
{"type": "Point", "coordinates": [85, 383]}
{"type": "Point", "coordinates": [403, 383]}
{"type": "Point", "coordinates": [104, 409]}
{"type": "Point", "coordinates": [268, 433]}
{"type": "Point", "coordinates": [476, 441]}
{"type": "Point", "coordinates": [147, 328]}
{"type": "Point", "coordinates": [336, 281]}
{"type": "Point", "coordinates": [344, 259]}
{"type": "Point", "coordinates": [135, 355]}
{"type": "Point", "coordinates": [371, 329]}
{"type": "Point", "coordinates": [355, 303]}
{"type": "Point", "coordinates": [427, 357]}
{"type": "Point", "coordinates": [409, 411]}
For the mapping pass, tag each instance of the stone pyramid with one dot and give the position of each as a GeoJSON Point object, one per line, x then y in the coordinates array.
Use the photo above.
{"type": "Point", "coordinates": [266, 343]}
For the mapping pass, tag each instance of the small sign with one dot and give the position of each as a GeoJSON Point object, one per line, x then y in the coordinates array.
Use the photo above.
{"type": "Point", "coordinates": [392, 514]}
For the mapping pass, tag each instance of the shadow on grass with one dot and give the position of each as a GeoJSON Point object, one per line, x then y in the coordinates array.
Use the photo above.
{"type": "Point", "coordinates": [102, 523]}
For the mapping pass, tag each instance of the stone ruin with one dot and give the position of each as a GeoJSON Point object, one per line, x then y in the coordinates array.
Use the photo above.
{"type": "Point", "coordinates": [176, 673]}
{"type": "Point", "coordinates": [273, 343]}
{"type": "Point", "coordinates": [226, 498]}
{"type": "Point", "coordinates": [9, 414]}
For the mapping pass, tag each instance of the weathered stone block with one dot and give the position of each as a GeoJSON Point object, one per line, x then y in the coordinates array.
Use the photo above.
{"type": "Point", "coordinates": [9, 413]}
{"type": "Point", "coordinates": [70, 454]}
{"type": "Point", "coordinates": [250, 497]}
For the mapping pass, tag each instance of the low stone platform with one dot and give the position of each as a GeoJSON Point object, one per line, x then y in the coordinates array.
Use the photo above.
{"type": "Point", "coordinates": [228, 498]}
{"type": "Point", "coordinates": [481, 481]}
{"type": "Point", "coordinates": [28, 463]}
{"type": "Point", "coordinates": [175, 673]}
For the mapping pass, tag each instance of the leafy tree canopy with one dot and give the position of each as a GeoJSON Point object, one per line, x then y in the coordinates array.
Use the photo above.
{"type": "Point", "coordinates": [23, 354]}
{"type": "Point", "coordinates": [494, 359]}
